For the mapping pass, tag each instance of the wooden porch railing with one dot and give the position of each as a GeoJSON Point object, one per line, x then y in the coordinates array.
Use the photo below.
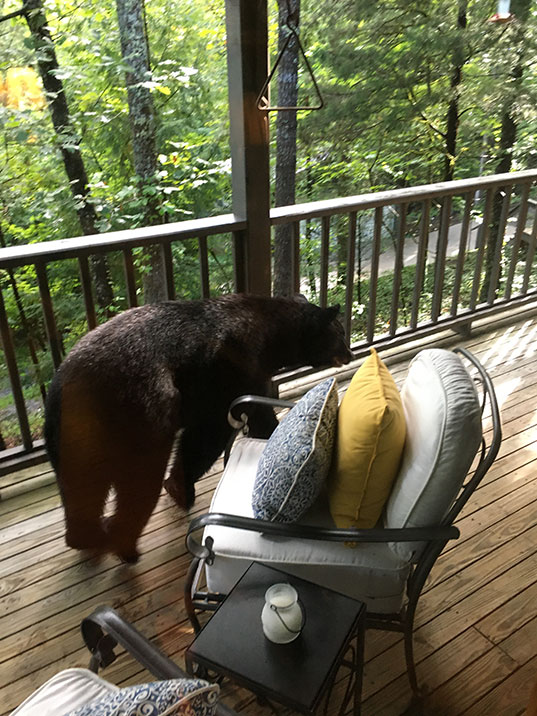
{"type": "Point", "coordinates": [402, 263]}
{"type": "Point", "coordinates": [81, 249]}
{"type": "Point", "coordinates": [483, 230]}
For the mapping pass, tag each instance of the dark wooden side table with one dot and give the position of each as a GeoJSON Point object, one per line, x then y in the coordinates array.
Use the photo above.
{"type": "Point", "coordinates": [299, 674]}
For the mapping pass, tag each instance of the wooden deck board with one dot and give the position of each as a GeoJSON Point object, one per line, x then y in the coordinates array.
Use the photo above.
{"type": "Point", "coordinates": [476, 625]}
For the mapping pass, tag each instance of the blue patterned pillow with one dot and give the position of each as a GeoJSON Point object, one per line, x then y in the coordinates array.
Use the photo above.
{"type": "Point", "coordinates": [295, 462]}
{"type": "Point", "coordinates": [184, 697]}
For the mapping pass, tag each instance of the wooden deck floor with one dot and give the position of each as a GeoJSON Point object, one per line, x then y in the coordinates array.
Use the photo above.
{"type": "Point", "coordinates": [476, 639]}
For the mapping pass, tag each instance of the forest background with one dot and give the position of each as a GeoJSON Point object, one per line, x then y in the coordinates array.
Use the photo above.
{"type": "Point", "coordinates": [414, 92]}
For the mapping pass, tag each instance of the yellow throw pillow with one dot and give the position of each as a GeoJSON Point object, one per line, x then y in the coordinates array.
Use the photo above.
{"type": "Point", "coordinates": [370, 437]}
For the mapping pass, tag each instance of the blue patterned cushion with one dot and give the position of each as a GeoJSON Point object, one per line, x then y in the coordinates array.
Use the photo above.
{"type": "Point", "coordinates": [184, 697]}
{"type": "Point", "coordinates": [295, 462]}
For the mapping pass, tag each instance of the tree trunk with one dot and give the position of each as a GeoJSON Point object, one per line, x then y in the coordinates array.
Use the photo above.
{"type": "Point", "coordinates": [509, 128]}
{"type": "Point", "coordinates": [452, 119]}
{"type": "Point", "coordinates": [286, 125]}
{"type": "Point", "coordinates": [135, 53]}
{"type": "Point", "coordinates": [47, 63]}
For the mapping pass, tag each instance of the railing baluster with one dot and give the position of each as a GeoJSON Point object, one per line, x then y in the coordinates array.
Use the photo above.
{"type": "Point", "coordinates": [530, 255]}
{"type": "Point", "coordinates": [296, 256]}
{"type": "Point", "coordinates": [373, 276]}
{"type": "Point", "coordinates": [421, 261]}
{"type": "Point", "coordinates": [349, 283]}
{"type": "Point", "coordinates": [520, 226]}
{"type": "Point", "coordinates": [48, 313]}
{"type": "Point", "coordinates": [130, 278]}
{"type": "Point", "coordinates": [495, 271]}
{"type": "Point", "coordinates": [85, 280]}
{"type": "Point", "coordinates": [168, 268]}
{"type": "Point", "coordinates": [440, 262]}
{"type": "Point", "coordinates": [398, 268]}
{"type": "Point", "coordinates": [325, 244]}
{"type": "Point", "coordinates": [239, 261]}
{"type": "Point", "coordinates": [204, 266]}
{"type": "Point", "coordinates": [14, 377]}
{"type": "Point", "coordinates": [483, 237]}
{"type": "Point", "coordinates": [461, 256]}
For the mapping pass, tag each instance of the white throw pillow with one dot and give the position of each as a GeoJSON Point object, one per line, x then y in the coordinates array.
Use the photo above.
{"type": "Point", "coordinates": [444, 432]}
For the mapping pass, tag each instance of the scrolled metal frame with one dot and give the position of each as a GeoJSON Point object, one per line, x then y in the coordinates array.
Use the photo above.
{"type": "Point", "coordinates": [436, 537]}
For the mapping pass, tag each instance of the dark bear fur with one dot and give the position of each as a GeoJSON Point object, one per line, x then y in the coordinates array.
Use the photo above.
{"type": "Point", "coordinates": [125, 389]}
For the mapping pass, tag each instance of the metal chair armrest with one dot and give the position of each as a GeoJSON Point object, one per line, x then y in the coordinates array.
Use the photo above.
{"type": "Point", "coordinates": [104, 628]}
{"type": "Point", "coordinates": [404, 534]}
{"type": "Point", "coordinates": [238, 415]}
{"type": "Point", "coordinates": [105, 621]}
{"type": "Point", "coordinates": [235, 415]}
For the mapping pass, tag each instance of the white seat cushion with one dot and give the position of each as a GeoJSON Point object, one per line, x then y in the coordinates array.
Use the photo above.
{"type": "Point", "coordinates": [370, 572]}
{"type": "Point", "coordinates": [64, 692]}
{"type": "Point", "coordinates": [443, 434]}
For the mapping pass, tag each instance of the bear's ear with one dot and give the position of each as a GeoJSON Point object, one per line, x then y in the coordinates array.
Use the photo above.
{"type": "Point", "coordinates": [331, 313]}
{"type": "Point", "coordinates": [300, 298]}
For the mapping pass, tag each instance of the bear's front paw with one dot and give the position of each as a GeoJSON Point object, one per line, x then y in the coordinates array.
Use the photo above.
{"type": "Point", "coordinates": [119, 544]}
{"type": "Point", "coordinates": [129, 557]}
{"type": "Point", "coordinates": [183, 496]}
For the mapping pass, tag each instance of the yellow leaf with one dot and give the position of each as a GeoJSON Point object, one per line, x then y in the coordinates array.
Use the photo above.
{"type": "Point", "coordinates": [22, 89]}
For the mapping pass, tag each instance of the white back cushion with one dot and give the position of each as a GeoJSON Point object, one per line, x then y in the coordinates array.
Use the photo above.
{"type": "Point", "coordinates": [443, 435]}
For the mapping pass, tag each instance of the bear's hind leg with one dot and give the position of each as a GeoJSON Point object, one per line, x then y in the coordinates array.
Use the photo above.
{"type": "Point", "coordinates": [138, 481]}
{"type": "Point", "coordinates": [84, 493]}
{"type": "Point", "coordinates": [82, 465]}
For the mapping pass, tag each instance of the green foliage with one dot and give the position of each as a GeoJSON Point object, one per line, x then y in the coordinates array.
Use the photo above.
{"type": "Point", "coordinates": [188, 83]}
{"type": "Point", "coordinates": [385, 71]}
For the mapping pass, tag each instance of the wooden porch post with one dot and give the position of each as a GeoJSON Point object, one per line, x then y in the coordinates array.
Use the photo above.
{"type": "Point", "coordinates": [247, 53]}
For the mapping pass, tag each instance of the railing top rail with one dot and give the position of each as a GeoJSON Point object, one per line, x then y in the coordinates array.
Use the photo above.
{"type": "Point", "coordinates": [130, 238]}
{"type": "Point", "coordinates": [314, 209]}
{"type": "Point", "coordinates": [118, 240]}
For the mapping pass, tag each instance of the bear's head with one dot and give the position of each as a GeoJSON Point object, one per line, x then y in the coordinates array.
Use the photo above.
{"type": "Point", "coordinates": [323, 338]}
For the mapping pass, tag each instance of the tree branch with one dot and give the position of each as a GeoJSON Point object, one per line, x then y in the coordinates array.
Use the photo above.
{"type": "Point", "coordinates": [15, 13]}
{"type": "Point", "coordinates": [414, 102]}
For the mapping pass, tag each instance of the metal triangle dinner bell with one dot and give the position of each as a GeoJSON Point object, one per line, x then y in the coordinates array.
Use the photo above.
{"type": "Point", "coordinates": [262, 101]}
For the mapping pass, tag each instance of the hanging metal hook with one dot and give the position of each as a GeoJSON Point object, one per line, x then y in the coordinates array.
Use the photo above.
{"type": "Point", "coordinates": [262, 102]}
{"type": "Point", "coordinates": [292, 17]}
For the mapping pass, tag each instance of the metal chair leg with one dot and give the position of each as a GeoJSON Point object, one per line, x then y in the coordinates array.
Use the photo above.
{"type": "Point", "coordinates": [191, 577]}
{"type": "Point", "coordinates": [408, 630]}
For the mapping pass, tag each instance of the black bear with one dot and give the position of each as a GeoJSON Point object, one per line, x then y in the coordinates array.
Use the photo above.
{"type": "Point", "coordinates": [120, 396]}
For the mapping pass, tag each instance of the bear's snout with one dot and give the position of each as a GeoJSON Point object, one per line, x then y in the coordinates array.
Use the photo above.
{"type": "Point", "coordinates": [342, 359]}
